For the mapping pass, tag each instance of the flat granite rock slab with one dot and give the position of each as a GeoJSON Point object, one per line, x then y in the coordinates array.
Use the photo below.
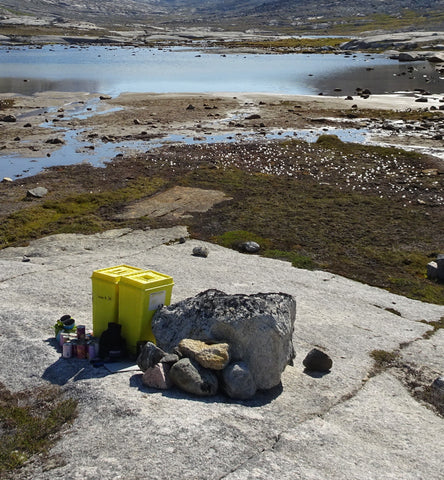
{"type": "Point", "coordinates": [299, 430]}
{"type": "Point", "coordinates": [382, 432]}
{"type": "Point", "coordinates": [429, 352]}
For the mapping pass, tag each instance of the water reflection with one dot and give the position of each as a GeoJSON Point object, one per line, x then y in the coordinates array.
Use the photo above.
{"type": "Point", "coordinates": [34, 85]}
{"type": "Point", "coordinates": [114, 70]}
{"type": "Point", "coordinates": [384, 79]}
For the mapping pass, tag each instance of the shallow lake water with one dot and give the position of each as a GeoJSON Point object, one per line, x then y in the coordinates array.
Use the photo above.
{"type": "Point", "coordinates": [113, 70]}
{"type": "Point", "coordinates": [74, 151]}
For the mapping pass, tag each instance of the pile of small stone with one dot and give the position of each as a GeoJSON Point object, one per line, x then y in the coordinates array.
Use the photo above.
{"type": "Point", "coordinates": [214, 342]}
{"type": "Point", "coordinates": [197, 368]}
{"type": "Point", "coordinates": [435, 270]}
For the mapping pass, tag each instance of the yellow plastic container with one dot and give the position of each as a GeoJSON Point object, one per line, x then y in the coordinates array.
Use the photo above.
{"type": "Point", "coordinates": [105, 295]}
{"type": "Point", "coordinates": [139, 296]}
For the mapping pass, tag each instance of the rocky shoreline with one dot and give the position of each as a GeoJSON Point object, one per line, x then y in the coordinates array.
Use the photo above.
{"type": "Point", "coordinates": [151, 143]}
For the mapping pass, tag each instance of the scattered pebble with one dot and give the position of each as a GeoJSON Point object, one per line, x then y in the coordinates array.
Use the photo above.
{"type": "Point", "coordinates": [249, 247]}
{"type": "Point", "coordinates": [201, 251]}
{"type": "Point", "coordinates": [317, 361]}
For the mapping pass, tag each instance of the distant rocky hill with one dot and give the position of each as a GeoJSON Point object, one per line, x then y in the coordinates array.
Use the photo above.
{"type": "Point", "coordinates": [302, 8]}
{"type": "Point", "coordinates": [260, 12]}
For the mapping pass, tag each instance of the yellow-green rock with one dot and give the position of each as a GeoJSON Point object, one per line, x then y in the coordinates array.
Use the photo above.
{"type": "Point", "coordinates": [215, 356]}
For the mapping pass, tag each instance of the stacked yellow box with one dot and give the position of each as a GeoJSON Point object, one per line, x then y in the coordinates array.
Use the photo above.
{"type": "Point", "coordinates": [140, 296]}
{"type": "Point", "coordinates": [128, 296]}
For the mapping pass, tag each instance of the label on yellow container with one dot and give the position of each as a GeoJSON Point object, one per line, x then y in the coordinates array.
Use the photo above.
{"type": "Point", "coordinates": [157, 299]}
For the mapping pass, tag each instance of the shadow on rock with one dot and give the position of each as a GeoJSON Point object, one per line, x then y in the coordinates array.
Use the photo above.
{"type": "Point", "coordinates": [261, 398]}
{"type": "Point", "coordinates": [71, 369]}
{"type": "Point", "coordinates": [314, 374]}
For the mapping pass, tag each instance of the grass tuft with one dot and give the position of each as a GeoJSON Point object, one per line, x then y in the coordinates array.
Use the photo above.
{"type": "Point", "coordinates": [235, 238]}
{"type": "Point", "coordinates": [436, 325]}
{"type": "Point", "coordinates": [383, 359]}
{"type": "Point", "coordinates": [297, 259]}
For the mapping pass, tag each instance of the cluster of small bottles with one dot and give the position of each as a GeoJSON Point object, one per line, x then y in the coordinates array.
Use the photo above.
{"type": "Point", "coordinates": [79, 345]}
{"type": "Point", "coordinates": [75, 341]}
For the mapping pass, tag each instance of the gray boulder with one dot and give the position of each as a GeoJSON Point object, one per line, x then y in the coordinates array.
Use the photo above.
{"type": "Point", "coordinates": [435, 57]}
{"type": "Point", "coordinates": [438, 392]}
{"type": "Point", "coordinates": [238, 382]}
{"type": "Point", "coordinates": [440, 266]}
{"type": "Point", "coordinates": [192, 378]}
{"type": "Point", "coordinates": [410, 56]}
{"type": "Point", "coordinates": [149, 356]}
{"type": "Point", "coordinates": [55, 141]}
{"type": "Point", "coordinates": [169, 358]}
{"type": "Point", "coordinates": [8, 118]}
{"type": "Point", "coordinates": [249, 247]}
{"type": "Point", "coordinates": [432, 270]}
{"type": "Point", "coordinates": [258, 328]}
{"type": "Point", "coordinates": [435, 270]}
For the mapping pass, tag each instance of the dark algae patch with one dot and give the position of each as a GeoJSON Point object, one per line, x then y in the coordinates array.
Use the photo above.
{"type": "Point", "coordinates": [373, 214]}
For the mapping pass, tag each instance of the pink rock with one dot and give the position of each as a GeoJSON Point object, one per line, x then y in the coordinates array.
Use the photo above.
{"type": "Point", "coordinates": [157, 377]}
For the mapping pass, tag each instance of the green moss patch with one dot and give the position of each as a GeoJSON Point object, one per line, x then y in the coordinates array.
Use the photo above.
{"type": "Point", "coordinates": [30, 422]}
{"type": "Point", "coordinates": [82, 213]}
{"type": "Point", "coordinates": [297, 259]}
